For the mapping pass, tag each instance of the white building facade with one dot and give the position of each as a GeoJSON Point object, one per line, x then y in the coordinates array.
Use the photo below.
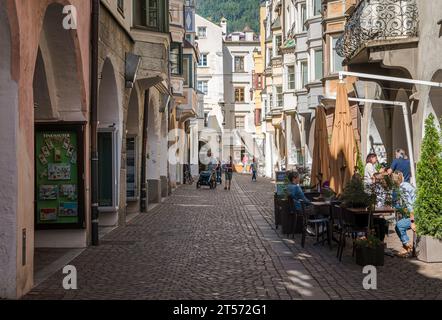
{"type": "Point", "coordinates": [210, 82]}
{"type": "Point", "coordinates": [239, 109]}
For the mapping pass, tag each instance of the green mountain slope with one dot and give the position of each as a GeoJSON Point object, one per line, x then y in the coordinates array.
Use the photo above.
{"type": "Point", "coordinates": [238, 13]}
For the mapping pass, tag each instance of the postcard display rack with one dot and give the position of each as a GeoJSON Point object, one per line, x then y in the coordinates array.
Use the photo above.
{"type": "Point", "coordinates": [59, 176]}
{"type": "Point", "coordinates": [281, 183]}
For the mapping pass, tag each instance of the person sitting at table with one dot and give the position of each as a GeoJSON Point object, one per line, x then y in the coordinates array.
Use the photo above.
{"type": "Point", "coordinates": [370, 168]}
{"type": "Point", "coordinates": [403, 198]}
{"type": "Point", "coordinates": [295, 191]}
{"type": "Point", "coordinates": [380, 187]}
{"type": "Point", "coordinates": [401, 164]}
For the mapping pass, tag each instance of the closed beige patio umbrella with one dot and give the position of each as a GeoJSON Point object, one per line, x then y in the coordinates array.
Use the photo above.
{"type": "Point", "coordinates": [321, 149]}
{"type": "Point", "coordinates": [343, 144]}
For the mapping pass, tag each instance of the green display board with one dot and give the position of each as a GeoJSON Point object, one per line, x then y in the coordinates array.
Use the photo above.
{"type": "Point", "coordinates": [57, 177]}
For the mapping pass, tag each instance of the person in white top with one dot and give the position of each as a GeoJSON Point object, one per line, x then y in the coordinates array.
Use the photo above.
{"type": "Point", "coordinates": [370, 168]}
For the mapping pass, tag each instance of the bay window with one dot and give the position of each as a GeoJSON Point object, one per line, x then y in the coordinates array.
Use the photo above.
{"type": "Point", "coordinates": [151, 14]}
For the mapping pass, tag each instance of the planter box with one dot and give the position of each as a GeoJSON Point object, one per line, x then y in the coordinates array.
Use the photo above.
{"type": "Point", "coordinates": [370, 256]}
{"type": "Point", "coordinates": [429, 249]}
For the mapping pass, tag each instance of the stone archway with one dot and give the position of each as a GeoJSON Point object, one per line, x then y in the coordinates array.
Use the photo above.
{"type": "Point", "coordinates": [109, 145]}
{"type": "Point", "coordinates": [57, 84]}
{"type": "Point", "coordinates": [59, 96]}
{"type": "Point", "coordinates": [133, 152]}
{"type": "Point", "coordinates": [8, 162]}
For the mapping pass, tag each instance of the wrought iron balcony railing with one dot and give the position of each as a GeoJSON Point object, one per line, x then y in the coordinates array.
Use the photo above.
{"type": "Point", "coordinates": [378, 20]}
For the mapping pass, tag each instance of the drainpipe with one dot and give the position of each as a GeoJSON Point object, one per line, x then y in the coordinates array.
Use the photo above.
{"type": "Point", "coordinates": [94, 121]}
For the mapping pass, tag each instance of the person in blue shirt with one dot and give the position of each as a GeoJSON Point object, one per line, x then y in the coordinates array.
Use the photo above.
{"type": "Point", "coordinates": [295, 191]}
{"type": "Point", "coordinates": [404, 198]}
{"type": "Point", "coordinates": [401, 164]}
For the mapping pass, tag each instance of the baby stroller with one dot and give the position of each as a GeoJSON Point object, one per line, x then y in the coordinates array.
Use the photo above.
{"type": "Point", "coordinates": [207, 178]}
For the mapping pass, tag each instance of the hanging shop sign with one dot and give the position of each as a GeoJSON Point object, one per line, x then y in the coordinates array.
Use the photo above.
{"type": "Point", "coordinates": [59, 185]}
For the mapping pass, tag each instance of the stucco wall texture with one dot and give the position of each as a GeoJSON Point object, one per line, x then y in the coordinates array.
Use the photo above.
{"type": "Point", "coordinates": [25, 20]}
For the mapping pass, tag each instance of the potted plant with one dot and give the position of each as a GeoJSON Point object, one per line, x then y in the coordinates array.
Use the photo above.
{"type": "Point", "coordinates": [369, 251]}
{"type": "Point", "coordinates": [328, 194]}
{"type": "Point", "coordinates": [355, 195]}
{"type": "Point", "coordinates": [428, 205]}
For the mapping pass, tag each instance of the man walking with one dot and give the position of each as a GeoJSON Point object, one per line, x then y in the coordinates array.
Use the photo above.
{"type": "Point", "coordinates": [253, 168]}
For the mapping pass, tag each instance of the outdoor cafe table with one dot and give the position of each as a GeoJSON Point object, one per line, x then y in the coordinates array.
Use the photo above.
{"type": "Point", "coordinates": [324, 208]}
{"type": "Point", "coordinates": [378, 212]}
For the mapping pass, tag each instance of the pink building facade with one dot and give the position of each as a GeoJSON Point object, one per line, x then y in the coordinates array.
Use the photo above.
{"type": "Point", "coordinates": [44, 95]}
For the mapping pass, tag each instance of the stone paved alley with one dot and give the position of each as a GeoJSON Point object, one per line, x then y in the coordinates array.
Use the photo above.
{"type": "Point", "coordinates": [204, 244]}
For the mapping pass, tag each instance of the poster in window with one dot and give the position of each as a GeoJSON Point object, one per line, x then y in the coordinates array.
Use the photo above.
{"type": "Point", "coordinates": [57, 177]}
{"type": "Point", "coordinates": [68, 209]}
{"type": "Point", "coordinates": [48, 214]}
{"type": "Point", "coordinates": [59, 171]}
{"type": "Point", "coordinates": [48, 192]}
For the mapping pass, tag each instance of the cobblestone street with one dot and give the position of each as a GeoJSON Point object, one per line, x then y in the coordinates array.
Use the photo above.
{"type": "Point", "coordinates": [205, 244]}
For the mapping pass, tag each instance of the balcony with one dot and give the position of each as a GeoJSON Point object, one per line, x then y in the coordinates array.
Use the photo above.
{"type": "Point", "coordinates": [378, 22]}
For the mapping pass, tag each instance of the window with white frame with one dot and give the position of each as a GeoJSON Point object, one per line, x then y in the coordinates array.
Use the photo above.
{"type": "Point", "coordinates": [203, 86]}
{"type": "Point", "coordinates": [239, 122]}
{"type": "Point", "coordinates": [187, 72]}
{"type": "Point", "coordinates": [303, 74]}
{"type": "Point", "coordinates": [303, 17]}
{"type": "Point", "coordinates": [291, 77]}
{"type": "Point", "coordinates": [176, 58]}
{"type": "Point", "coordinates": [203, 60]}
{"type": "Point", "coordinates": [317, 7]}
{"type": "Point", "coordinates": [335, 59]}
{"type": "Point", "coordinates": [279, 97]}
{"type": "Point", "coordinates": [317, 64]}
{"type": "Point", "coordinates": [202, 32]}
{"type": "Point", "coordinates": [277, 45]}
{"type": "Point", "coordinates": [239, 64]}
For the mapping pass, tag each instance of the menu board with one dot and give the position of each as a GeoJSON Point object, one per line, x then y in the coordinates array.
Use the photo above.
{"type": "Point", "coordinates": [131, 169]}
{"type": "Point", "coordinates": [57, 177]}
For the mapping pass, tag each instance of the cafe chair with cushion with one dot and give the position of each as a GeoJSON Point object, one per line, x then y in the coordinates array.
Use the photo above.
{"type": "Point", "coordinates": [311, 218]}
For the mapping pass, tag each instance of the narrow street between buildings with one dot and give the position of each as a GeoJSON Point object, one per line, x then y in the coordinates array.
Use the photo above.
{"type": "Point", "coordinates": [217, 244]}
